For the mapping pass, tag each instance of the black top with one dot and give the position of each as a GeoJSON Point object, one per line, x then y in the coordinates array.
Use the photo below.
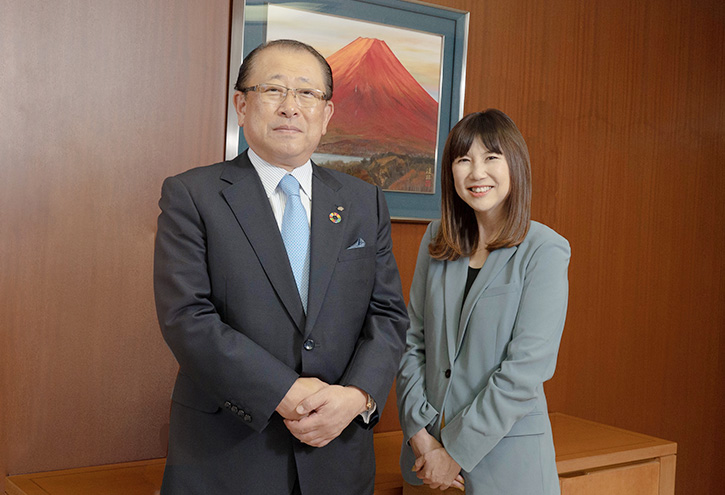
{"type": "Point", "coordinates": [472, 273]}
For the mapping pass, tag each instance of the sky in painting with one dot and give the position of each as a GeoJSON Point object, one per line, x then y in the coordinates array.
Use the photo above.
{"type": "Point", "coordinates": [419, 52]}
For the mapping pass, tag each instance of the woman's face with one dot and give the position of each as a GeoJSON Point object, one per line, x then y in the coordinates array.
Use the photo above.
{"type": "Point", "coordinates": [482, 180]}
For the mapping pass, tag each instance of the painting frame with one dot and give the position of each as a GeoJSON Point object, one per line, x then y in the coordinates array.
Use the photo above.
{"type": "Point", "coordinates": [248, 30]}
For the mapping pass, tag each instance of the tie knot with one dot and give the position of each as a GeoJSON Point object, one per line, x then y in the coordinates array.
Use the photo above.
{"type": "Point", "coordinates": [290, 186]}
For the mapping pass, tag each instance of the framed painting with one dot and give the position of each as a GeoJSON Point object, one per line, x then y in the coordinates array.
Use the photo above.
{"type": "Point", "coordinates": [399, 72]}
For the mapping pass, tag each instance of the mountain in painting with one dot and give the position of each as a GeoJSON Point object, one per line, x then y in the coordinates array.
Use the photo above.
{"type": "Point", "coordinates": [379, 106]}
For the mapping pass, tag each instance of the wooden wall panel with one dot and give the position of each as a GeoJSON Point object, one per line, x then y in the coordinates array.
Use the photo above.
{"type": "Point", "coordinates": [100, 101]}
{"type": "Point", "coordinates": [406, 239]}
{"type": "Point", "coordinates": [620, 102]}
{"type": "Point", "coordinates": [621, 105]}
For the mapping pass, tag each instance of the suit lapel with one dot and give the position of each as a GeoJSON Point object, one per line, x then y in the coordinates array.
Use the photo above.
{"type": "Point", "coordinates": [246, 197]}
{"type": "Point", "coordinates": [455, 281]}
{"type": "Point", "coordinates": [326, 238]}
{"type": "Point", "coordinates": [491, 268]}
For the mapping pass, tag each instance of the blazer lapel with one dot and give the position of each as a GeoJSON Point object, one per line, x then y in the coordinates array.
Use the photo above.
{"type": "Point", "coordinates": [493, 265]}
{"type": "Point", "coordinates": [455, 281]}
{"type": "Point", "coordinates": [246, 197]}
{"type": "Point", "coordinates": [326, 239]}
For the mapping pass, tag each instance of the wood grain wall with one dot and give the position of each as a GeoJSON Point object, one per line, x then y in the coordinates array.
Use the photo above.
{"type": "Point", "coordinates": [620, 102]}
{"type": "Point", "coordinates": [100, 101]}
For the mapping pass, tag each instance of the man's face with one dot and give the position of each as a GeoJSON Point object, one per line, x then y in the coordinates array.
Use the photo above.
{"type": "Point", "coordinates": [283, 134]}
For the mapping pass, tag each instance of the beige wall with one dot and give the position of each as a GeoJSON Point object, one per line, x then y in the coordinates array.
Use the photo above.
{"type": "Point", "coordinates": [621, 104]}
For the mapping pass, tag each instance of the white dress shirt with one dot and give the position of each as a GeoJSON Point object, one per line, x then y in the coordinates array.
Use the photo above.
{"type": "Point", "coordinates": [271, 175]}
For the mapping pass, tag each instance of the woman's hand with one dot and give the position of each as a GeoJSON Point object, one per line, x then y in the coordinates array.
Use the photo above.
{"type": "Point", "coordinates": [423, 442]}
{"type": "Point", "coordinates": [435, 466]}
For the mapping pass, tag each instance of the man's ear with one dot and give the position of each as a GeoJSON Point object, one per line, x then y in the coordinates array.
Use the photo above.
{"type": "Point", "coordinates": [329, 110]}
{"type": "Point", "coordinates": [240, 105]}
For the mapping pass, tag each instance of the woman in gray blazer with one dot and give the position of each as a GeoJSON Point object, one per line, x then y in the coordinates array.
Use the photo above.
{"type": "Point", "coordinates": [487, 309]}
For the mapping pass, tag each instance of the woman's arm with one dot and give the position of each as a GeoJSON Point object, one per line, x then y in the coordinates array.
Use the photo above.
{"type": "Point", "coordinates": [414, 411]}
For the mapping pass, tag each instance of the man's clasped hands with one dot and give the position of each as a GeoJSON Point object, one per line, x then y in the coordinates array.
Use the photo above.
{"type": "Point", "coordinates": [316, 413]}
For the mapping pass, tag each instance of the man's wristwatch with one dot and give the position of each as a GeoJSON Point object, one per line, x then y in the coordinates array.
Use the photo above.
{"type": "Point", "coordinates": [370, 404]}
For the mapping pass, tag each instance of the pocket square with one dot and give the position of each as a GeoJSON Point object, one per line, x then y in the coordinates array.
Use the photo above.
{"type": "Point", "coordinates": [357, 244]}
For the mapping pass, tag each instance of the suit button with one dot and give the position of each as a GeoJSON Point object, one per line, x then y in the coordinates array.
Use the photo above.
{"type": "Point", "coordinates": [235, 409]}
{"type": "Point", "coordinates": [227, 404]}
{"type": "Point", "coordinates": [240, 413]}
{"type": "Point", "coordinates": [247, 418]}
{"type": "Point", "coordinates": [309, 345]}
{"type": "Point", "coordinates": [448, 373]}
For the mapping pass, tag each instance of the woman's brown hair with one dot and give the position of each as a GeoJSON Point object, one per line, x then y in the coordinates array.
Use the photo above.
{"type": "Point", "coordinates": [458, 233]}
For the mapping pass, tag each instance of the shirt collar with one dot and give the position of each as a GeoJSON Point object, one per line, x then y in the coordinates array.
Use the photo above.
{"type": "Point", "coordinates": [270, 175]}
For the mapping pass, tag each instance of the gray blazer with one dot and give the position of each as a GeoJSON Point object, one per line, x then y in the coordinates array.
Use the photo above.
{"type": "Point", "coordinates": [482, 362]}
{"type": "Point", "coordinates": [229, 310]}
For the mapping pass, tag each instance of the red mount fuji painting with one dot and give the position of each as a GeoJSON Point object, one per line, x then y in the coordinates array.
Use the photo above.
{"type": "Point", "coordinates": [383, 116]}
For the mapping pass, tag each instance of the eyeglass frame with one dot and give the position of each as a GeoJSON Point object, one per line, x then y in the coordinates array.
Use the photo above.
{"type": "Point", "coordinates": [318, 94]}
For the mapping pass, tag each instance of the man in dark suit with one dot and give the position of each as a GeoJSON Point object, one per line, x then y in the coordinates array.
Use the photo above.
{"type": "Point", "coordinates": [288, 333]}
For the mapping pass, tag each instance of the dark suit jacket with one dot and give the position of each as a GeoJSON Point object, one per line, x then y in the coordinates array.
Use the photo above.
{"type": "Point", "coordinates": [229, 310]}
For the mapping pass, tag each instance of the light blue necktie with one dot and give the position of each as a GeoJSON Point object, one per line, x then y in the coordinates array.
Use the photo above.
{"type": "Point", "coordinates": [296, 235]}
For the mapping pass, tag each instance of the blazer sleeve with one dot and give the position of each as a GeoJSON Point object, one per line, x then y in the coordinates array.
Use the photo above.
{"type": "Point", "coordinates": [220, 361]}
{"type": "Point", "coordinates": [415, 412]}
{"type": "Point", "coordinates": [512, 390]}
{"type": "Point", "coordinates": [380, 345]}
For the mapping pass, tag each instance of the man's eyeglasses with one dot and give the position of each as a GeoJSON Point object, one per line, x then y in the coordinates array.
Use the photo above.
{"type": "Point", "coordinates": [274, 93]}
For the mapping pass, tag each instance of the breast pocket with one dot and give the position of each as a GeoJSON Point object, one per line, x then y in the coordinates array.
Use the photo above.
{"type": "Point", "coordinates": [498, 305]}
{"type": "Point", "coordinates": [491, 322]}
{"type": "Point", "coordinates": [501, 289]}
{"type": "Point", "coordinates": [354, 274]}
{"type": "Point", "coordinates": [356, 253]}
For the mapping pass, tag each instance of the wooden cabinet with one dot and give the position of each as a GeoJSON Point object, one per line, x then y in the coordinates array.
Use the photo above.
{"type": "Point", "coordinates": [592, 459]}
{"type": "Point", "coordinates": [596, 459]}
{"type": "Point", "coordinates": [128, 478]}
{"type": "Point", "coordinates": [635, 479]}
